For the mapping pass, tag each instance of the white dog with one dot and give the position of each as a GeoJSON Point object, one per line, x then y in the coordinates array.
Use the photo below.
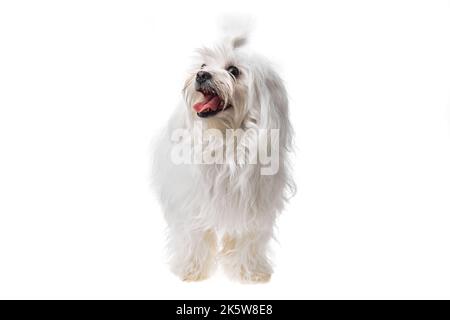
{"type": "Point", "coordinates": [221, 208]}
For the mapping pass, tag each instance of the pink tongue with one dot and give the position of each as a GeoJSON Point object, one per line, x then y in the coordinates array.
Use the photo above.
{"type": "Point", "coordinates": [212, 104]}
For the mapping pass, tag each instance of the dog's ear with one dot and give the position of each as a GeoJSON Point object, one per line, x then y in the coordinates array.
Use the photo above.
{"type": "Point", "coordinates": [269, 102]}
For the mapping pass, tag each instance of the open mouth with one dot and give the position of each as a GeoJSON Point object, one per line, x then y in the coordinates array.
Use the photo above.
{"type": "Point", "coordinates": [211, 104]}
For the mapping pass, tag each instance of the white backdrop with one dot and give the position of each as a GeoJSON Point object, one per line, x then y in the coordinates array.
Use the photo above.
{"type": "Point", "coordinates": [85, 85]}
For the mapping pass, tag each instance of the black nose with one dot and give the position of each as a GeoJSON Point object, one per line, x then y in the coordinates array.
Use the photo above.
{"type": "Point", "coordinates": [202, 76]}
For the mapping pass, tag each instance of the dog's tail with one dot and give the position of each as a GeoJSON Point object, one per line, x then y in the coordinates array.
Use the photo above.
{"type": "Point", "coordinates": [236, 29]}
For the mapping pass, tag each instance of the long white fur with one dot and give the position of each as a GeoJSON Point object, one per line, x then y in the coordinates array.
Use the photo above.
{"type": "Point", "coordinates": [205, 203]}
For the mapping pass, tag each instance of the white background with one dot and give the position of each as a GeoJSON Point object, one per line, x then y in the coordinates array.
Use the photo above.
{"type": "Point", "coordinates": [85, 85]}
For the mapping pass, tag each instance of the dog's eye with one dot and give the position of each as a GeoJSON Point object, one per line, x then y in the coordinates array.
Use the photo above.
{"type": "Point", "coordinates": [203, 65]}
{"type": "Point", "coordinates": [234, 71]}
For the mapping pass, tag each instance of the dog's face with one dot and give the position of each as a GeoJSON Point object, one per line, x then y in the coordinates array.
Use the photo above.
{"type": "Point", "coordinates": [217, 86]}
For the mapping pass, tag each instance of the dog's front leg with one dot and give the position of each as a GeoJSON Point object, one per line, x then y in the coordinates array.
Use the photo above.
{"type": "Point", "coordinates": [244, 256]}
{"type": "Point", "coordinates": [193, 253]}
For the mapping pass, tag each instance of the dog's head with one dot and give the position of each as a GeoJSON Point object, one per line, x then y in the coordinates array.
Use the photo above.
{"type": "Point", "coordinates": [229, 87]}
{"type": "Point", "coordinates": [217, 85]}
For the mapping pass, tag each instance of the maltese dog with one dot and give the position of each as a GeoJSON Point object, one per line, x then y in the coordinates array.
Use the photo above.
{"type": "Point", "coordinates": [221, 167]}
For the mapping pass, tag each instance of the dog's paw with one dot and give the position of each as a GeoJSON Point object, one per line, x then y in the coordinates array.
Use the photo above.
{"type": "Point", "coordinates": [194, 277]}
{"type": "Point", "coordinates": [196, 272]}
{"type": "Point", "coordinates": [255, 277]}
{"type": "Point", "coordinates": [246, 274]}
